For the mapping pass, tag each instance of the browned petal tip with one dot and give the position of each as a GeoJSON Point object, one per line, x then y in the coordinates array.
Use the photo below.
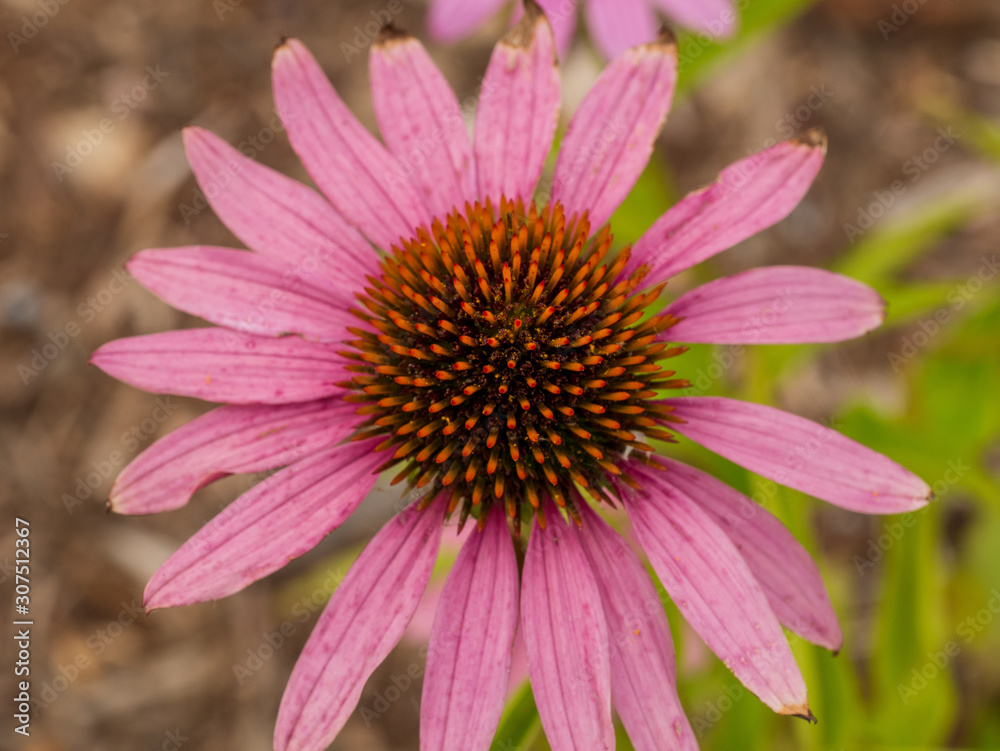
{"type": "Point", "coordinates": [813, 138]}
{"type": "Point", "coordinates": [666, 38]}
{"type": "Point", "coordinates": [524, 31]}
{"type": "Point", "coordinates": [113, 504]}
{"type": "Point", "coordinates": [801, 711]}
{"type": "Point", "coordinates": [389, 34]}
{"type": "Point", "coordinates": [283, 51]}
{"type": "Point", "coordinates": [533, 11]}
{"type": "Point", "coordinates": [663, 47]}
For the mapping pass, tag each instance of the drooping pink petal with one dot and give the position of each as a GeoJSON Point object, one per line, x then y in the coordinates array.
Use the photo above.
{"type": "Point", "coordinates": [717, 18]}
{"type": "Point", "coordinates": [448, 20]}
{"type": "Point", "coordinates": [274, 522]}
{"type": "Point", "coordinates": [785, 570]}
{"type": "Point", "coordinates": [611, 136]}
{"type": "Point", "coordinates": [712, 586]}
{"type": "Point", "coordinates": [359, 627]}
{"type": "Point", "coordinates": [801, 454]}
{"type": "Point", "coordinates": [469, 656]}
{"type": "Point", "coordinates": [227, 441]}
{"type": "Point", "coordinates": [777, 305]}
{"type": "Point", "coordinates": [643, 666]}
{"type": "Point", "coordinates": [421, 123]}
{"type": "Point", "coordinates": [518, 110]}
{"type": "Point", "coordinates": [244, 291]}
{"type": "Point", "coordinates": [617, 25]}
{"type": "Point", "coordinates": [348, 164]}
{"type": "Point", "coordinates": [219, 365]}
{"type": "Point", "coordinates": [562, 16]}
{"type": "Point", "coordinates": [566, 638]}
{"type": "Point", "coordinates": [748, 196]}
{"type": "Point", "coordinates": [278, 216]}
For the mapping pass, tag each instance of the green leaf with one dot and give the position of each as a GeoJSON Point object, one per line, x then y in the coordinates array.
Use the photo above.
{"type": "Point", "coordinates": [980, 133]}
{"type": "Point", "coordinates": [520, 725]}
{"type": "Point", "coordinates": [951, 386]}
{"type": "Point", "coordinates": [891, 247]}
{"type": "Point", "coordinates": [976, 335]}
{"type": "Point", "coordinates": [907, 302]}
{"type": "Point", "coordinates": [834, 697]}
{"type": "Point", "coordinates": [915, 697]}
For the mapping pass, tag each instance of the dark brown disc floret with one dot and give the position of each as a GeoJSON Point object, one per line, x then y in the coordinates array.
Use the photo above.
{"type": "Point", "coordinates": [506, 358]}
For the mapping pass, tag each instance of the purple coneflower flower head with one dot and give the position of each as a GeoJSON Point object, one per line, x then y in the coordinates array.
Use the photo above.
{"type": "Point", "coordinates": [504, 362]}
{"type": "Point", "coordinates": [614, 25]}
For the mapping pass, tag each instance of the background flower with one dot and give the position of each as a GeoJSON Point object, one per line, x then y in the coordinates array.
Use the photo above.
{"type": "Point", "coordinates": [614, 25]}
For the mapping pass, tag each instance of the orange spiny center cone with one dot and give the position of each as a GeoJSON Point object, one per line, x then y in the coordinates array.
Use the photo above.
{"type": "Point", "coordinates": [505, 359]}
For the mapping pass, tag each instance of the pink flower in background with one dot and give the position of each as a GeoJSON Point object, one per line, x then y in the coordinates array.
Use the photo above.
{"type": "Point", "coordinates": [499, 357]}
{"type": "Point", "coordinates": [614, 25]}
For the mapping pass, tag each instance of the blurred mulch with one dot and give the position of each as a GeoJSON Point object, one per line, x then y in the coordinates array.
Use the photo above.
{"type": "Point", "coordinates": [118, 680]}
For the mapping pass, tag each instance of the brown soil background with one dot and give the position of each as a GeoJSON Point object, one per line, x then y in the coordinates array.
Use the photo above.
{"type": "Point", "coordinates": [61, 241]}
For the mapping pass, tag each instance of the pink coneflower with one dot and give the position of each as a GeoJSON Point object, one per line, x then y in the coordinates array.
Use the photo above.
{"type": "Point", "coordinates": [614, 25]}
{"type": "Point", "coordinates": [504, 362]}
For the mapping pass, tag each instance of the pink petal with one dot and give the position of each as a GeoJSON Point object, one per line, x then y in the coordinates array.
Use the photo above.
{"type": "Point", "coordinates": [712, 586]}
{"type": "Point", "coordinates": [227, 441]}
{"type": "Point", "coordinates": [617, 25]}
{"type": "Point", "coordinates": [749, 196]}
{"type": "Point", "coordinates": [469, 657]}
{"type": "Point", "coordinates": [611, 136]}
{"type": "Point", "coordinates": [348, 164]}
{"type": "Point", "coordinates": [801, 454]}
{"type": "Point", "coordinates": [643, 666]}
{"type": "Point", "coordinates": [562, 16]}
{"type": "Point", "coordinates": [448, 20]}
{"type": "Point", "coordinates": [777, 305]}
{"type": "Point", "coordinates": [219, 365]}
{"type": "Point", "coordinates": [359, 627]}
{"type": "Point", "coordinates": [244, 291]}
{"type": "Point", "coordinates": [714, 17]}
{"type": "Point", "coordinates": [786, 572]}
{"type": "Point", "coordinates": [277, 520]}
{"type": "Point", "coordinates": [566, 638]}
{"type": "Point", "coordinates": [518, 110]}
{"type": "Point", "coordinates": [421, 123]}
{"type": "Point", "coordinates": [278, 216]}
